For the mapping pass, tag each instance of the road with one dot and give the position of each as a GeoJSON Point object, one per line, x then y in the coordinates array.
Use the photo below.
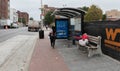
{"type": "Point", "coordinates": [8, 33]}
{"type": "Point", "coordinates": [16, 47]}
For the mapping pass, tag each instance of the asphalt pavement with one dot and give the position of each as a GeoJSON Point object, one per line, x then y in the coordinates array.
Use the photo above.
{"type": "Point", "coordinates": [15, 53]}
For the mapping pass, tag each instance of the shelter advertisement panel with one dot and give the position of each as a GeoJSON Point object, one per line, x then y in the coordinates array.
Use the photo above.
{"type": "Point", "coordinates": [62, 26]}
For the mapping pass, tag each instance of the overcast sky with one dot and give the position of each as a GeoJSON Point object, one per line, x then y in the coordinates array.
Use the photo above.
{"type": "Point", "coordinates": [32, 6]}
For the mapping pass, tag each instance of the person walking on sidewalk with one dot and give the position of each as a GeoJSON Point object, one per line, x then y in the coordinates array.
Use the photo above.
{"type": "Point", "coordinates": [52, 36]}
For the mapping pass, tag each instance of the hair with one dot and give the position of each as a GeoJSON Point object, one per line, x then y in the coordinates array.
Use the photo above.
{"type": "Point", "coordinates": [53, 29]}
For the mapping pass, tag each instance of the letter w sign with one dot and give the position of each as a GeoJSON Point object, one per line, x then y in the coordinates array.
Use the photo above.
{"type": "Point", "coordinates": [111, 35]}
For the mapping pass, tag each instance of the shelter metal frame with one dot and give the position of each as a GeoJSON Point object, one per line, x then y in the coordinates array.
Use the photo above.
{"type": "Point", "coordinates": [71, 13]}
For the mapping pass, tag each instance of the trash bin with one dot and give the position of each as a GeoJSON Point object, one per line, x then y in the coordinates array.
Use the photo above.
{"type": "Point", "coordinates": [41, 34]}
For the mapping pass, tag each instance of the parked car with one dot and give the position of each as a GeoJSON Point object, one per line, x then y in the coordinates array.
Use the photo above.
{"type": "Point", "coordinates": [14, 25]}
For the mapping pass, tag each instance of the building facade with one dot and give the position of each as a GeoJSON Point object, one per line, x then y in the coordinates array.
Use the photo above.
{"type": "Point", "coordinates": [13, 15]}
{"type": "Point", "coordinates": [46, 9]}
{"type": "Point", "coordinates": [4, 12]}
{"type": "Point", "coordinates": [23, 15]}
{"type": "Point", "coordinates": [113, 15]}
{"type": "Point", "coordinates": [4, 9]}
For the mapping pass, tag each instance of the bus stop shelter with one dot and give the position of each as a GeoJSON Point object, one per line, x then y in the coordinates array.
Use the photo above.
{"type": "Point", "coordinates": [71, 13]}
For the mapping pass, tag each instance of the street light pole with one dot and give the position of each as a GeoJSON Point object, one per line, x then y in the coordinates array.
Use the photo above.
{"type": "Point", "coordinates": [41, 15]}
{"type": "Point", "coordinates": [41, 3]}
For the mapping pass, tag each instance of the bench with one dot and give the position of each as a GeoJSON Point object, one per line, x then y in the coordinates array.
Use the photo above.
{"type": "Point", "coordinates": [94, 46]}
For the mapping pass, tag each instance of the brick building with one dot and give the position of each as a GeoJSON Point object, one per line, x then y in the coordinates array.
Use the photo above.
{"type": "Point", "coordinates": [46, 9]}
{"type": "Point", "coordinates": [24, 15]}
{"type": "Point", "coordinates": [4, 9]}
{"type": "Point", "coordinates": [4, 12]}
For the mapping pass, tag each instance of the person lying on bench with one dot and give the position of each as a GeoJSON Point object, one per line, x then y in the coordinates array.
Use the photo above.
{"type": "Point", "coordinates": [84, 40]}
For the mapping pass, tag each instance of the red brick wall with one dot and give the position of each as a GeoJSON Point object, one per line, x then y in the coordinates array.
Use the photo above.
{"type": "Point", "coordinates": [4, 9]}
{"type": "Point", "coordinates": [23, 15]}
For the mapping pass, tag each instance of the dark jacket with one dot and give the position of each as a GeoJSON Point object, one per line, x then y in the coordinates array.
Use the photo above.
{"type": "Point", "coordinates": [52, 35]}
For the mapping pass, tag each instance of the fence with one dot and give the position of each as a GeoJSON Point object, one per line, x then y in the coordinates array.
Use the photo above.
{"type": "Point", "coordinates": [110, 33]}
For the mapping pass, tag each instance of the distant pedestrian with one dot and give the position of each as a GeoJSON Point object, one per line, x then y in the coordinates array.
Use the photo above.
{"type": "Point", "coordinates": [52, 37]}
{"type": "Point", "coordinates": [46, 27]}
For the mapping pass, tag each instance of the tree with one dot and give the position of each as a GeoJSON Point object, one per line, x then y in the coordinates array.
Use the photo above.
{"type": "Point", "coordinates": [19, 20]}
{"type": "Point", "coordinates": [22, 20]}
{"type": "Point", "coordinates": [85, 8]}
{"type": "Point", "coordinates": [31, 18]}
{"type": "Point", "coordinates": [94, 14]}
{"type": "Point", "coordinates": [104, 17]}
{"type": "Point", "coordinates": [48, 18]}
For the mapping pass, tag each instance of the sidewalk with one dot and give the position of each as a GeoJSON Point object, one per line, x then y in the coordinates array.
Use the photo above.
{"type": "Point", "coordinates": [45, 58]}
{"type": "Point", "coordinates": [64, 58]}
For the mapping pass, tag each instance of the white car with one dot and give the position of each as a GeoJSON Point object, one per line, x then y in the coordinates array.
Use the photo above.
{"type": "Point", "coordinates": [14, 25]}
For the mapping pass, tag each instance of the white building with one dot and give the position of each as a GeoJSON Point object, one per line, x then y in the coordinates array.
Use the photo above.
{"type": "Point", "coordinates": [13, 15]}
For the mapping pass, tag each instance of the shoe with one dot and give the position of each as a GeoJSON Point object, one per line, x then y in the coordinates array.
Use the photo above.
{"type": "Point", "coordinates": [53, 45]}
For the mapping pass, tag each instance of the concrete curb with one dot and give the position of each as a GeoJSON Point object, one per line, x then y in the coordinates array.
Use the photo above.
{"type": "Point", "coordinates": [30, 55]}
